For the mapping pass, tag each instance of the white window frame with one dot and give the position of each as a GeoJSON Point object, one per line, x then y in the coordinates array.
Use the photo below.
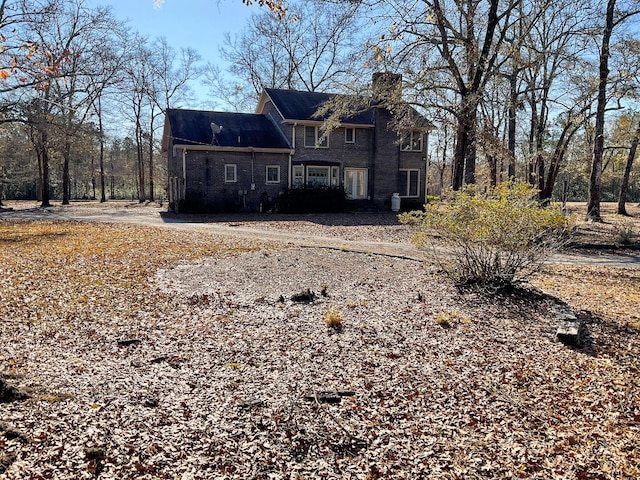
{"type": "Point", "coordinates": [346, 135]}
{"type": "Point", "coordinates": [408, 140]}
{"type": "Point", "coordinates": [266, 172]}
{"type": "Point", "coordinates": [297, 176]}
{"type": "Point", "coordinates": [322, 167]}
{"type": "Point", "coordinates": [230, 168]}
{"type": "Point", "coordinates": [334, 181]}
{"type": "Point", "coordinates": [407, 192]}
{"type": "Point", "coordinates": [364, 174]}
{"type": "Point", "coordinates": [316, 135]}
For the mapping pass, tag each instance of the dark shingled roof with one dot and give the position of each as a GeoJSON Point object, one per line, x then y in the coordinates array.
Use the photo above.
{"type": "Point", "coordinates": [193, 127]}
{"type": "Point", "coordinates": [295, 105]}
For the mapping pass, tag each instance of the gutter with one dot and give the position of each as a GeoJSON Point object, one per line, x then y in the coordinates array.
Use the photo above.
{"type": "Point", "coordinates": [317, 123]}
{"type": "Point", "coordinates": [184, 174]}
{"type": "Point", "coordinates": [293, 144]}
{"type": "Point", "coordinates": [213, 148]}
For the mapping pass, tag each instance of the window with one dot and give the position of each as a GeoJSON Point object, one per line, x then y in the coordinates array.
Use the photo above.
{"type": "Point", "coordinates": [335, 176]}
{"type": "Point", "coordinates": [298, 176]}
{"type": "Point", "coordinates": [409, 183]}
{"type": "Point", "coordinates": [312, 137]}
{"type": "Point", "coordinates": [318, 176]}
{"type": "Point", "coordinates": [230, 173]}
{"type": "Point", "coordinates": [349, 135]}
{"type": "Point", "coordinates": [273, 173]}
{"type": "Point", "coordinates": [412, 141]}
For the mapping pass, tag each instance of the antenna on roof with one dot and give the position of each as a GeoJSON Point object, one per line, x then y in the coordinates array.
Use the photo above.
{"type": "Point", "coordinates": [215, 129]}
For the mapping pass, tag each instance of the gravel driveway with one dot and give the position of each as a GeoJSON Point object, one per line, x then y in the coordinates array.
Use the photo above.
{"type": "Point", "coordinates": [378, 233]}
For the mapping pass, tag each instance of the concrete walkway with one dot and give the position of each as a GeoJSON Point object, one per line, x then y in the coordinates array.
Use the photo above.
{"type": "Point", "coordinates": [153, 217]}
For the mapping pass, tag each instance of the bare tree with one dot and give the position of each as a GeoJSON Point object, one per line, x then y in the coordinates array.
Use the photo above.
{"type": "Point", "coordinates": [68, 68]}
{"type": "Point", "coordinates": [139, 71]}
{"type": "Point", "coordinates": [613, 18]}
{"type": "Point", "coordinates": [169, 86]}
{"type": "Point", "coordinates": [624, 187]}
{"type": "Point", "coordinates": [314, 52]}
{"type": "Point", "coordinates": [449, 50]}
{"type": "Point", "coordinates": [555, 91]}
{"type": "Point", "coordinates": [86, 70]}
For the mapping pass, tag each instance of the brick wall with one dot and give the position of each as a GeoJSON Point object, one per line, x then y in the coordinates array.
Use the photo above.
{"type": "Point", "coordinates": [356, 154]}
{"type": "Point", "coordinates": [206, 184]}
{"type": "Point", "coordinates": [387, 158]}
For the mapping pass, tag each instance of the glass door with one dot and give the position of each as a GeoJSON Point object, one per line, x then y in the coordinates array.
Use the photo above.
{"type": "Point", "coordinates": [355, 183]}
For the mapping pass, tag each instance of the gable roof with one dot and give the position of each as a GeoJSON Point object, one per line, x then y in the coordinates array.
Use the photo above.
{"type": "Point", "coordinates": [239, 130]}
{"type": "Point", "coordinates": [297, 105]}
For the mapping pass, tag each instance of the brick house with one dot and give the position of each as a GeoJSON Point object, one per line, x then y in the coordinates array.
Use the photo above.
{"type": "Point", "coordinates": [220, 161]}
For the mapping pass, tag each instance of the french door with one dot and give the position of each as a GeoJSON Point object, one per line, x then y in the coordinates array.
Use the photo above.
{"type": "Point", "coordinates": [355, 183]}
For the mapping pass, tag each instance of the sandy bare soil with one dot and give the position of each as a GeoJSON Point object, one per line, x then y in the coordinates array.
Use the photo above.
{"type": "Point", "coordinates": [187, 353]}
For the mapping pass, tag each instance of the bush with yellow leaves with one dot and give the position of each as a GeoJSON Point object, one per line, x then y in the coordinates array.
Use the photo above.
{"type": "Point", "coordinates": [494, 238]}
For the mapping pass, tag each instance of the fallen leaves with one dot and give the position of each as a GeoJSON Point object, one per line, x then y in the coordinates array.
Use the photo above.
{"type": "Point", "coordinates": [175, 354]}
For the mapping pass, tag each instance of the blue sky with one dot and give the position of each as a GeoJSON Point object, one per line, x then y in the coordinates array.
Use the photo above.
{"type": "Point", "coordinates": [200, 24]}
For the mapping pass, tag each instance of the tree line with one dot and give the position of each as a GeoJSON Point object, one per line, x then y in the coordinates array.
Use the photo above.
{"type": "Point", "coordinates": [81, 99]}
{"type": "Point", "coordinates": [538, 90]}
{"type": "Point", "coordinates": [544, 91]}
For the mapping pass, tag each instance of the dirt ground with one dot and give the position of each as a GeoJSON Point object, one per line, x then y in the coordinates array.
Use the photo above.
{"type": "Point", "coordinates": [189, 353]}
{"type": "Point", "coordinates": [614, 232]}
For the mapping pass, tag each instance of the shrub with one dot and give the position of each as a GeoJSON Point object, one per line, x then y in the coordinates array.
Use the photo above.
{"type": "Point", "coordinates": [333, 319]}
{"type": "Point", "coordinates": [314, 200]}
{"type": "Point", "coordinates": [625, 234]}
{"type": "Point", "coordinates": [493, 238]}
{"type": "Point", "coordinates": [449, 319]}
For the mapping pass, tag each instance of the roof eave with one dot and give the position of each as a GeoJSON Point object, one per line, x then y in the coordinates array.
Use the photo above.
{"type": "Point", "coordinates": [317, 123]}
{"type": "Point", "coordinates": [264, 98]}
{"type": "Point", "coordinates": [216, 148]}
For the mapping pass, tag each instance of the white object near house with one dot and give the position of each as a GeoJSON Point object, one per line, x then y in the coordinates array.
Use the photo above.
{"type": "Point", "coordinates": [395, 202]}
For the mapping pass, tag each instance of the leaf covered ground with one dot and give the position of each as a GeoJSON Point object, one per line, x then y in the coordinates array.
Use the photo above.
{"type": "Point", "coordinates": [156, 353]}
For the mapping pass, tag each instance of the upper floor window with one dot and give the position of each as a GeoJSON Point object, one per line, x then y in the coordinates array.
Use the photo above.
{"type": "Point", "coordinates": [313, 138]}
{"type": "Point", "coordinates": [230, 173]}
{"type": "Point", "coordinates": [411, 141]}
{"type": "Point", "coordinates": [349, 135]}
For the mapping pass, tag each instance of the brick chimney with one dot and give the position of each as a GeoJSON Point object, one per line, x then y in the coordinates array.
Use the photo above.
{"type": "Point", "coordinates": [386, 87]}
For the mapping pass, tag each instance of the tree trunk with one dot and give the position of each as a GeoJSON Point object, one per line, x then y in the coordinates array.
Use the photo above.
{"type": "Point", "coordinates": [464, 162]}
{"type": "Point", "coordinates": [595, 181]}
{"type": "Point", "coordinates": [471, 153]}
{"type": "Point", "coordinates": [151, 193]}
{"type": "Point", "coordinates": [140, 153]}
{"type": "Point", "coordinates": [624, 188]}
{"type": "Point", "coordinates": [458, 159]}
{"type": "Point", "coordinates": [103, 196]}
{"type": "Point", "coordinates": [66, 178]}
{"type": "Point", "coordinates": [511, 126]}
{"type": "Point", "coordinates": [568, 132]}
{"type": "Point", "coordinates": [112, 187]}
{"type": "Point", "coordinates": [532, 148]}
{"type": "Point", "coordinates": [493, 170]}
{"type": "Point", "coordinates": [540, 171]}
{"type": "Point", "coordinates": [45, 188]}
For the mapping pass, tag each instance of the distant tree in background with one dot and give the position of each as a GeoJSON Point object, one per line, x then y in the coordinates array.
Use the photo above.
{"type": "Point", "coordinates": [613, 19]}
{"type": "Point", "coordinates": [313, 49]}
{"type": "Point", "coordinates": [511, 85]}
